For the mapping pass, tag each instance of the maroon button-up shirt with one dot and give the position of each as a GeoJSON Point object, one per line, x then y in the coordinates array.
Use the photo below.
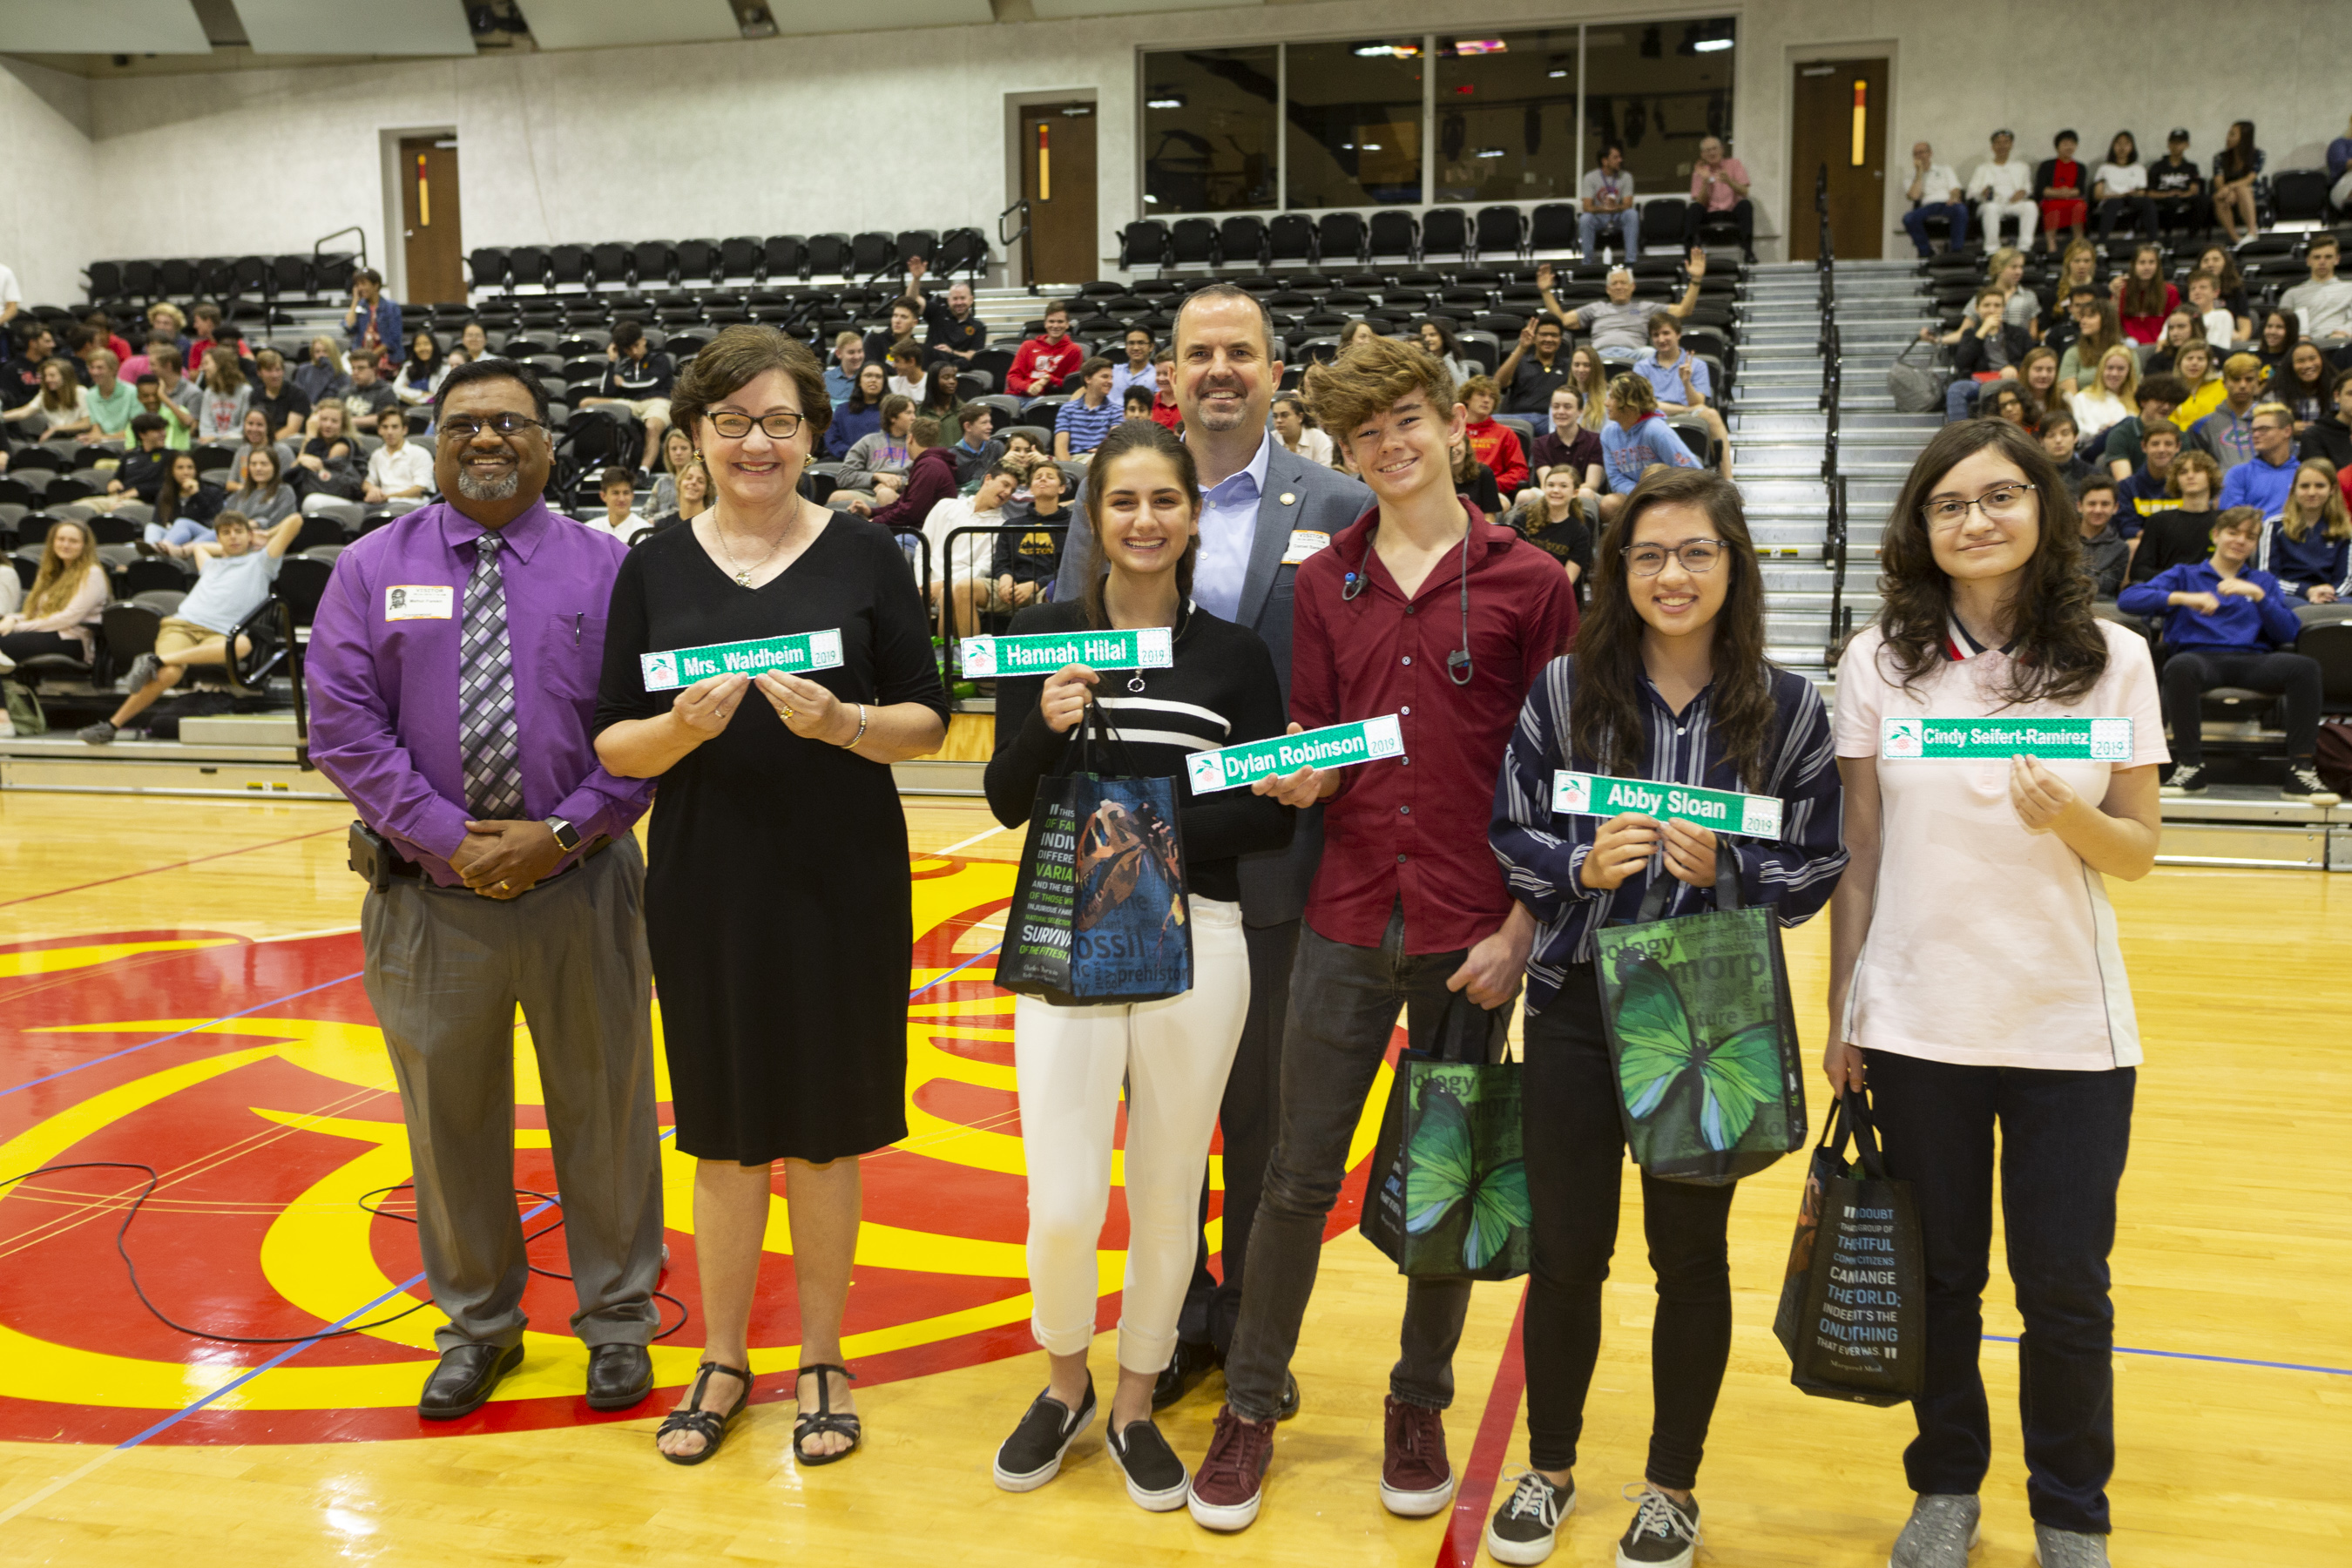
{"type": "Point", "coordinates": [1414, 827]}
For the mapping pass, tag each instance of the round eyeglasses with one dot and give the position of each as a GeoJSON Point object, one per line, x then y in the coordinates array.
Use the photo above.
{"type": "Point", "coordinates": [1698, 555]}
{"type": "Point", "coordinates": [2003, 503]}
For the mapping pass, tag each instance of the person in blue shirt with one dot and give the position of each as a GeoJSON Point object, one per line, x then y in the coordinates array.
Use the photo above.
{"type": "Point", "coordinates": [861, 415]}
{"type": "Point", "coordinates": [1681, 381]}
{"type": "Point", "coordinates": [1080, 425]}
{"type": "Point", "coordinates": [372, 321]}
{"type": "Point", "coordinates": [2262, 480]}
{"type": "Point", "coordinates": [1635, 437]}
{"type": "Point", "coordinates": [2308, 547]}
{"type": "Point", "coordinates": [2228, 623]}
{"type": "Point", "coordinates": [848, 359]}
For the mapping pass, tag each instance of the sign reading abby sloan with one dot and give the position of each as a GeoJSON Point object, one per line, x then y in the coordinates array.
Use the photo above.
{"type": "Point", "coordinates": [1597, 795]}
{"type": "Point", "coordinates": [795, 654]}
{"type": "Point", "coordinates": [1334, 746]}
{"type": "Point", "coordinates": [2052, 739]}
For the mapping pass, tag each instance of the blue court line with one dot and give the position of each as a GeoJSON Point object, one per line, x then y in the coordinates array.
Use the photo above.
{"type": "Point", "coordinates": [951, 974]}
{"type": "Point", "coordinates": [183, 1034]}
{"type": "Point", "coordinates": [2221, 1360]}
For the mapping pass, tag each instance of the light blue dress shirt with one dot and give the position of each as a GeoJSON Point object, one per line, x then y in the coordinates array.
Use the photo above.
{"type": "Point", "coordinates": [1228, 529]}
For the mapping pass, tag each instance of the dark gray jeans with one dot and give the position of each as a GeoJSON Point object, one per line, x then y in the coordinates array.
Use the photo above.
{"type": "Point", "coordinates": [1344, 1003]}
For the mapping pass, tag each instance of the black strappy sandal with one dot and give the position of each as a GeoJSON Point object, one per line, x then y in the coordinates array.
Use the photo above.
{"type": "Point", "coordinates": [808, 1426]}
{"type": "Point", "coordinates": [709, 1426]}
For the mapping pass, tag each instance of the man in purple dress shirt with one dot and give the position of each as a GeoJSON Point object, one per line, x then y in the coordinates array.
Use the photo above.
{"type": "Point", "coordinates": [453, 671]}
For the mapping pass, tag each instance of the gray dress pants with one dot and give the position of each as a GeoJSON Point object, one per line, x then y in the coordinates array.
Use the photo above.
{"type": "Point", "coordinates": [446, 969]}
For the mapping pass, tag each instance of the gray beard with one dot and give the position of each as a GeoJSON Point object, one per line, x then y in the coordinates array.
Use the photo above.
{"type": "Point", "coordinates": [474, 488]}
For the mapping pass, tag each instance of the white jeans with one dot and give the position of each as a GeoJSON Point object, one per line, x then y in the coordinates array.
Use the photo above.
{"type": "Point", "coordinates": [1989, 213]}
{"type": "Point", "coordinates": [1173, 1057]}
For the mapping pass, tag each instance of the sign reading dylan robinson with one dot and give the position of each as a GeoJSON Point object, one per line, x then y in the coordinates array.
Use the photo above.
{"type": "Point", "coordinates": [1334, 746]}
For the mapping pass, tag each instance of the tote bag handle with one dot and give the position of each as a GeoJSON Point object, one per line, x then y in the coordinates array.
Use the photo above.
{"type": "Point", "coordinates": [1852, 1114]}
{"type": "Point", "coordinates": [1095, 718]}
{"type": "Point", "coordinates": [1725, 890]}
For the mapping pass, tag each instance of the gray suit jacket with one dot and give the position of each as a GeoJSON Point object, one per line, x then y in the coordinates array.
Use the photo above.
{"type": "Point", "coordinates": [1299, 495]}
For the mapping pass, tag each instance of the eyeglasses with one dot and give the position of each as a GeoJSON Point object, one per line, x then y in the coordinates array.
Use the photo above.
{"type": "Point", "coordinates": [466, 426]}
{"type": "Point", "coordinates": [2003, 503]}
{"type": "Point", "coordinates": [735, 426]}
{"type": "Point", "coordinates": [1698, 555]}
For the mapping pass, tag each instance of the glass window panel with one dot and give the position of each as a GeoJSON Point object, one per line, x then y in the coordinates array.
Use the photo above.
{"type": "Point", "coordinates": [1657, 88]}
{"type": "Point", "coordinates": [1209, 130]}
{"type": "Point", "coordinates": [1354, 131]}
{"type": "Point", "coordinates": [1507, 117]}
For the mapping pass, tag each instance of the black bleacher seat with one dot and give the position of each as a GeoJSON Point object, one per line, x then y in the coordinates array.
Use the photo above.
{"type": "Point", "coordinates": [1192, 242]}
{"type": "Point", "coordinates": [1240, 242]}
{"type": "Point", "coordinates": [2300, 195]}
{"type": "Point", "coordinates": [215, 276]}
{"type": "Point", "coordinates": [1339, 238]}
{"type": "Point", "coordinates": [488, 267]}
{"type": "Point", "coordinates": [1446, 234]}
{"type": "Point", "coordinates": [747, 257]}
{"type": "Point", "coordinates": [1392, 236]}
{"type": "Point", "coordinates": [872, 252]}
{"type": "Point", "coordinates": [1290, 240]}
{"type": "Point", "coordinates": [156, 574]}
{"type": "Point", "coordinates": [176, 277]}
{"type": "Point", "coordinates": [961, 250]}
{"type": "Point", "coordinates": [332, 273]}
{"type": "Point", "coordinates": [1144, 243]}
{"type": "Point", "coordinates": [1551, 229]}
{"type": "Point", "coordinates": [248, 275]}
{"type": "Point", "coordinates": [828, 256]}
{"type": "Point", "coordinates": [695, 261]}
{"type": "Point", "coordinates": [653, 264]}
{"type": "Point", "coordinates": [567, 266]}
{"type": "Point", "coordinates": [913, 242]}
{"type": "Point", "coordinates": [1500, 231]}
{"type": "Point", "coordinates": [139, 279]}
{"type": "Point", "coordinates": [105, 278]}
{"type": "Point", "coordinates": [527, 264]}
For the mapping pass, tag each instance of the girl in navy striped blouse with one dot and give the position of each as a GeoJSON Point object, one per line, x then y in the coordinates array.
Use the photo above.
{"type": "Point", "coordinates": [1669, 683]}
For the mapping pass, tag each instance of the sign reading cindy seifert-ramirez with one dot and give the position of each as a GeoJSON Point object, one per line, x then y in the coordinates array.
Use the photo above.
{"type": "Point", "coordinates": [795, 655]}
{"type": "Point", "coordinates": [1598, 794]}
{"type": "Point", "coordinates": [1335, 746]}
{"type": "Point", "coordinates": [1147, 648]}
{"type": "Point", "coordinates": [2053, 740]}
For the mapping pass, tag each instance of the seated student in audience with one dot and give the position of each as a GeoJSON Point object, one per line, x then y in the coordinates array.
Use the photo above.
{"type": "Point", "coordinates": [30, 344]}
{"type": "Point", "coordinates": [878, 460]}
{"type": "Point", "coordinates": [2228, 433]}
{"type": "Point", "coordinates": [1636, 438]}
{"type": "Point", "coordinates": [961, 567]}
{"type": "Point", "coordinates": [1021, 447]}
{"type": "Point", "coordinates": [940, 400]}
{"type": "Point", "coordinates": [326, 465]}
{"type": "Point", "coordinates": [282, 402]}
{"type": "Point", "coordinates": [1617, 325]}
{"type": "Point", "coordinates": [257, 437]}
{"type": "Point", "coordinates": [1136, 404]}
{"type": "Point", "coordinates": [1357, 331]}
{"type": "Point", "coordinates": [261, 494]}
{"type": "Point", "coordinates": [320, 378]}
{"type": "Point", "coordinates": [369, 395]}
{"type": "Point", "coordinates": [907, 375]}
{"type": "Point", "coordinates": [690, 496]}
{"type": "Point", "coordinates": [2264, 479]}
{"type": "Point", "coordinates": [61, 407]}
{"type": "Point", "coordinates": [617, 488]}
{"type": "Point", "coordinates": [1080, 425]}
{"type": "Point", "coordinates": [474, 340]}
{"type": "Point", "coordinates": [2324, 305]}
{"type": "Point", "coordinates": [953, 331]}
{"type": "Point", "coordinates": [1682, 382]}
{"type": "Point", "coordinates": [2005, 276]}
{"type": "Point", "coordinates": [2143, 299]}
{"type": "Point", "coordinates": [1591, 382]}
{"type": "Point", "coordinates": [976, 447]}
{"type": "Point", "coordinates": [1027, 563]}
{"type": "Point", "coordinates": [2156, 398]}
{"type": "Point", "coordinates": [399, 469]}
{"type": "Point", "coordinates": [2147, 489]}
{"type": "Point", "coordinates": [2079, 266]}
{"type": "Point", "coordinates": [2302, 383]}
{"type": "Point", "coordinates": [2119, 188]}
{"type": "Point", "coordinates": [2215, 324]}
{"type": "Point", "coordinates": [1536, 364]}
{"type": "Point", "coordinates": [69, 593]}
{"type": "Point", "coordinates": [676, 456]}
{"type": "Point", "coordinates": [905, 315]}
{"type": "Point", "coordinates": [1987, 348]}
{"type": "Point", "coordinates": [1474, 482]}
{"type": "Point", "coordinates": [2330, 435]}
{"type": "Point", "coordinates": [1297, 431]}
{"type": "Point", "coordinates": [841, 375]}
{"type": "Point", "coordinates": [2183, 536]}
{"type": "Point", "coordinates": [223, 397]}
{"type": "Point", "coordinates": [2194, 367]}
{"type": "Point", "coordinates": [141, 469]}
{"type": "Point", "coordinates": [2099, 332]}
{"type": "Point", "coordinates": [2007, 400]}
{"type": "Point", "coordinates": [2282, 329]}
{"type": "Point", "coordinates": [1559, 519]}
{"type": "Point", "coordinates": [637, 378]}
{"type": "Point", "coordinates": [2107, 554]}
{"type": "Point", "coordinates": [109, 401]}
{"type": "Point", "coordinates": [206, 331]}
{"type": "Point", "coordinates": [1135, 368]}
{"type": "Point", "coordinates": [420, 373]}
{"type": "Point", "coordinates": [2176, 190]}
{"type": "Point", "coordinates": [2078, 318]}
{"type": "Point", "coordinates": [1719, 186]}
{"type": "Point", "coordinates": [2235, 168]}
{"type": "Point", "coordinates": [186, 504]}
{"type": "Point", "coordinates": [233, 577]}
{"type": "Point", "coordinates": [930, 480]}
{"type": "Point", "coordinates": [1040, 364]}
{"type": "Point", "coordinates": [861, 415]}
{"type": "Point", "coordinates": [2180, 327]}
{"type": "Point", "coordinates": [179, 433]}
{"type": "Point", "coordinates": [2309, 548]}
{"type": "Point", "coordinates": [2110, 397]}
{"type": "Point", "coordinates": [2038, 373]}
{"type": "Point", "coordinates": [1567, 445]}
{"type": "Point", "coordinates": [2059, 438]}
{"type": "Point", "coordinates": [2219, 262]}
{"type": "Point", "coordinates": [83, 343]}
{"type": "Point", "coordinates": [1606, 208]}
{"type": "Point", "coordinates": [2228, 623]}
{"type": "Point", "coordinates": [2003, 188]}
{"type": "Point", "coordinates": [1493, 443]}
{"type": "Point", "coordinates": [1437, 337]}
{"type": "Point", "coordinates": [1164, 411]}
{"type": "Point", "coordinates": [372, 321]}
{"type": "Point", "coordinates": [2062, 187]}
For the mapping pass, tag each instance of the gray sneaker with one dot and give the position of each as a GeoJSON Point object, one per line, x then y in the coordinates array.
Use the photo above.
{"type": "Point", "coordinates": [144, 668]}
{"type": "Point", "coordinates": [98, 735]}
{"type": "Point", "coordinates": [2068, 1548]}
{"type": "Point", "coordinates": [1941, 1529]}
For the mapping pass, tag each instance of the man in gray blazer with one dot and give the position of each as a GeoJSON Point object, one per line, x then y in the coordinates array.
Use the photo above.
{"type": "Point", "coordinates": [1264, 511]}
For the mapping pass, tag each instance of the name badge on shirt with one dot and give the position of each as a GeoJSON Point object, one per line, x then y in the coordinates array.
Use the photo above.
{"type": "Point", "coordinates": [419, 602]}
{"type": "Point", "coordinates": [2052, 739]}
{"type": "Point", "coordinates": [1597, 795]}
{"type": "Point", "coordinates": [1304, 542]}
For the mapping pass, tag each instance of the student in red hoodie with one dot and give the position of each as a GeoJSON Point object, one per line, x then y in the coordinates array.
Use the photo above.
{"type": "Point", "coordinates": [930, 480]}
{"type": "Point", "coordinates": [1493, 443]}
{"type": "Point", "coordinates": [1040, 364]}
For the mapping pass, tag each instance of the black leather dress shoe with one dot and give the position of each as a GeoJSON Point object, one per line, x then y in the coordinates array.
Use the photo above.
{"type": "Point", "coordinates": [619, 1376]}
{"type": "Point", "coordinates": [465, 1380]}
{"type": "Point", "coordinates": [1192, 1363]}
{"type": "Point", "coordinates": [1289, 1406]}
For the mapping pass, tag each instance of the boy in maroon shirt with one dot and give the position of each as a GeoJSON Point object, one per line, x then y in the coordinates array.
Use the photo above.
{"type": "Point", "coordinates": [1408, 911]}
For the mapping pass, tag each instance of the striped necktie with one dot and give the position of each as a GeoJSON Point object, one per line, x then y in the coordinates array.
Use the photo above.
{"type": "Point", "coordinates": [487, 734]}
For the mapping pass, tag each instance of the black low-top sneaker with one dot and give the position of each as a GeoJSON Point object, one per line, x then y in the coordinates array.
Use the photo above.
{"type": "Point", "coordinates": [1156, 1478]}
{"type": "Point", "coordinates": [1524, 1529]}
{"type": "Point", "coordinates": [1032, 1455]}
{"type": "Point", "coordinates": [2303, 780]}
{"type": "Point", "coordinates": [1664, 1534]}
{"type": "Point", "coordinates": [2187, 778]}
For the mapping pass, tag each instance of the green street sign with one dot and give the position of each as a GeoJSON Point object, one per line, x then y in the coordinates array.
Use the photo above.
{"type": "Point", "coordinates": [1598, 794]}
{"type": "Point", "coordinates": [795, 654]}
{"type": "Point", "coordinates": [1334, 746]}
{"type": "Point", "coordinates": [982, 659]}
{"type": "Point", "coordinates": [2052, 739]}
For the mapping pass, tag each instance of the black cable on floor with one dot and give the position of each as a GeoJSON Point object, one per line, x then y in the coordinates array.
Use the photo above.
{"type": "Point", "coordinates": [154, 1178]}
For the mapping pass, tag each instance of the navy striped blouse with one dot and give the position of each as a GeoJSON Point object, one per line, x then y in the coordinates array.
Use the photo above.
{"type": "Point", "coordinates": [1543, 854]}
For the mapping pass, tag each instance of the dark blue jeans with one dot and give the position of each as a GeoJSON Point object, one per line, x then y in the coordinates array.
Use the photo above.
{"type": "Point", "coordinates": [2064, 1139]}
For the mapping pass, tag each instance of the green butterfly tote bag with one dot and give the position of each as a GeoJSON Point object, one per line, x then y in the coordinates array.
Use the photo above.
{"type": "Point", "coordinates": [1702, 1036]}
{"type": "Point", "coordinates": [1448, 1190]}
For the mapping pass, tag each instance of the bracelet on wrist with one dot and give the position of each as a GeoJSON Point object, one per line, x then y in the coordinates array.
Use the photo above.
{"type": "Point", "coordinates": [864, 717]}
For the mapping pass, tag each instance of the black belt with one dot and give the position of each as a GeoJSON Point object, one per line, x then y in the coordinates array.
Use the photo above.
{"type": "Point", "coordinates": [399, 867]}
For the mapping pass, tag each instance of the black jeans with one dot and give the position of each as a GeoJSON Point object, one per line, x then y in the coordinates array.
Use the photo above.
{"type": "Point", "coordinates": [1742, 212]}
{"type": "Point", "coordinates": [2064, 1139]}
{"type": "Point", "coordinates": [23, 646]}
{"type": "Point", "coordinates": [1575, 1143]}
{"type": "Point", "coordinates": [2142, 211]}
{"type": "Point", "coordinates": [2190, 673]}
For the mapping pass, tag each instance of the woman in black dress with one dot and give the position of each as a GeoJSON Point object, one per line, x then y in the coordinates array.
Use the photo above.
{"type": "Point", "coordinates": [777, 902]}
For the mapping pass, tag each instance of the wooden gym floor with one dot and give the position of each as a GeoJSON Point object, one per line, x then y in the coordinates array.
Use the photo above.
{"type": "Point", "coordinates": [178, 987]}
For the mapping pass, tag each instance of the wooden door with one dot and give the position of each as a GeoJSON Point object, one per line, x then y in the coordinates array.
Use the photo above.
{"type": "Point", "coordinates": [1838, 112]}
{"type": "Point", "coordinates": [1058, 176]}
{"type": "Point", "coordinates": [435, 251]}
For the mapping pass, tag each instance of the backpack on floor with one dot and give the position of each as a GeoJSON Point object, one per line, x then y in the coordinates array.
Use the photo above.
{"type": "Point", "coordinates": [1917, 389]}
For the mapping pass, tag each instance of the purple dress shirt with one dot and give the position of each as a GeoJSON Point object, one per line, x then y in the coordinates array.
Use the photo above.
{"type": "Point", "coordinates": [383, 692]}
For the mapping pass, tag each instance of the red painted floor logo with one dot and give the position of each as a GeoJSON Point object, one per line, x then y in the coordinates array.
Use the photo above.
{"type": "Point", "coordinates": [252, 1078]}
